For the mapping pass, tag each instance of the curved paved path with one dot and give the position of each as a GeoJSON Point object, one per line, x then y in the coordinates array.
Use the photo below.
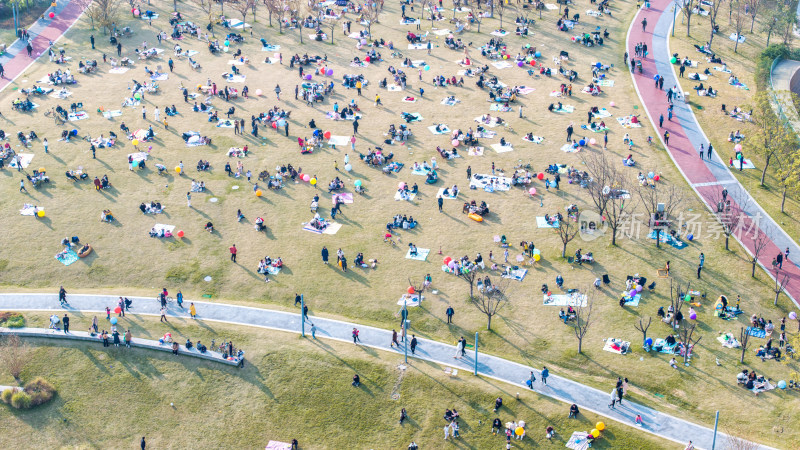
{"type": "Point", "coordinates": [16, 60]}
{"type": "Point", "coordinates": [568, 391]}
{"type": "Point", "coordinates": [707, 178]}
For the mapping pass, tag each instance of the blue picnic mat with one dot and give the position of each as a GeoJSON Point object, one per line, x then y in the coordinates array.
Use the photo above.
{"type": "Point", "coordinates": [757, 332]}
{"type": "Point", "coordinates": [667, 239]}
{"type": "Point", "coordinates": [68, 258]}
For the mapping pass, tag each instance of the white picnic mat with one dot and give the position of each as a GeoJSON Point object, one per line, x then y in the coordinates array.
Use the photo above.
{"type": "Point", "coordinates": [338, 140]}
{"type": "Point", "coordinates": [422, 254]}
{"type": "Point", "coordinates": [565, 299]}
{"type": "Point", "coordinates": [80, 115]}
{"type": "Point", "coordinates": [24, 159]}
{"type": "Point", "coordinates": [483, 181]}
{"type": "Point", "coordinates": [502, 148]}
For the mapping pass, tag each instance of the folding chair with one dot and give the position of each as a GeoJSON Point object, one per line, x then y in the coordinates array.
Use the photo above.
{"type": "Point", "coordinates": [606, 279]}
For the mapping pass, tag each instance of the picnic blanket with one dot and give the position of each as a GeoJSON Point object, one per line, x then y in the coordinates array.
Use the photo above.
{"type": "Point", "coordinates": [535, 139]}
{"type": "Point", "coordinates": [27, 209]}
{"type": "Point", "coordinates": [668, 239]}
{"type": "Point", "coordinates": [409, 21]}
{"type": "Point", "coordinates": [485, 134]}
{"type": "Point", "coordinates": [166, 228]}
{"type": "Point", "coordinates": [236, 23]}
{"type": "Point", "coordinates": [338, 140]}
{"type": "Point", "coordinates": [417, 46]}
{"type": "Point", "coordinates": [225, 123]}
{"type": "Point", "coordinates": [422, 254]}
{"type": "Point", "coordinates": [307, 227]}
{"type": "Point", "coordinates": [579, 439]}
{"type": "Point", "coordinates": [410, 196]}
{"type": "Point", "coordinates": [502, 148]}
{"type": "Point", "coordinates": [423, 171]}
{"type": "Point", "coordinates": [323, 36]}
{"type": "Point", "coordinates": [159, 77]}
{"type": "Point", "coordinates": [24, 160]}
{"type": "Point", "coordinates": [575, 299]}
{"type": "Point", "coordinates": [61, 94]}
{"type": "Point", "coordinates": [668, 349]}
{"type": "Point", "coordinates": [346, 197]}
{"type": "Point", "coordinates": [734, 37]}
{"type": "Point", "coordinates": [631, 301]}
{"type": "Point", "coordinates": [270, 48]}
{"type": "Point", "coordinates": [525, 90]}
{"type": "Point", "coordinates": [602, 113]}
{"type": "Point", "coordinates": [625, 122]}
{"type": "Point", "coordinates": [440, 193]}
{"type": "Point", "coordinates": [499, 107]}
{"type": "Point", "coordinates": [756, 332]}
{"type": "Point", "coordinates": [518, 274]}
{"type": "Point", "coordinates": [332, 228]}
{"type": "Point", "coordinates": [748, 164]}
{"type": "Point", "coordinates": [449, 102]}
{"type": "Point", "coordinates": [697, 76]}
{"type": "Point", "coordinates": [484, 181]}
{"type": "Point", "coordinates": [444, 129]}
{"type": "Point", "coordinates": [231, 78]}
{"type": "Point", "coordinates": [393, 88]}
{"type": "Point", "coordinates": [331, 115]}
{"type": "Point", "coordinates": [722, 69]}
{"type": "Point", "coordinates": [565, 109]}
{"type": "Point", "coordinates": [415, 117]}
{"type": "Point", "coordinates": [67, 258]}
{"type": "Point", "coordinates": [728, 341]}
{"type": "Point", "coordinates": [740, 85]}
{"type": "Point", "coordinates": [491, 123]}
{"type": "Point", "coordinates": [542, 223]}
{"type": "Point", "coordinates": [617, 346]}
{"type": "Point", "coordinates": [502, 64]}
{"type": "Point", "coordinates": [767, 386]}
{"type": "Point", "coordinates": [118, 69]}
{"type": "Point", "coordinates": [569, 148]}
{"type": "Point", "coordinates": [475, 151]}
{"type": "Point", "coordinates": [140, 156]}
{"type": "Point", "coordinates": [409, 99]}
{"type": "Point", "coordinates": [605, 83]}
{"type": "Point", "coordinates": [596, 129]}
{"type": "Point", "coordinates": [112, 113]}
{"type": "Point", "coordinates": [80, 115]}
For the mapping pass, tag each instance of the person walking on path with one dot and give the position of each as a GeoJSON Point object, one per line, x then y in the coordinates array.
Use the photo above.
{"type": "Point", "coordinates": [613, 398]}
{"type": "Point", "coordinates": [94, 323]}
{"type": "Point", "coordinates": [545, 373]}
{"type": "Point", "coordinates": [66, 323]}
{"type": "Point", "coordinates": [121, 306]}
{"type": "Point", "coordinates": [233, 252]}
{"type": "Point", "coordinates": [531, 380]}
{"type": "Point", "coordinates": [413, 343]}
{"type": "Point", "coordinates": [708, 153]}
{"type": "Point", "coordinates": [163, 314]}
{"type": "Point", "coordinates": [661, 121]}
{"type": "Point", "coordinates": [192, 311]}
{"type": "Point", "coordinates": [29, 48]}
{"type": "Point", "coordinates": [179, 299]}
{"type": "Point", "coordinates": [644, 24]}
{"type": "Point", "coordinates": [779, 260]}
{"type": "Point", "coordinates": [278, 91]}
{"type": "Point", "coordinates": [449, 313]}
{"type": "Point", "coordinates": [325, 255]}
{"type": "Point", "coordinates": [702, 151]}
{"type": "Point", "coordinates": [666, 138]}
{"type": "Point", "coordinates": [459, 347]}
{"type": "Point", "coordinates": [313, 331]}
{"type": "Point", "coordinates": [394, 340]}
{"type": "Point", "coordinates": [356, 340]}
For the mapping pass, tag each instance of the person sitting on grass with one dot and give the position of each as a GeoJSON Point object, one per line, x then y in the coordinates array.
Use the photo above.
{"type": "Point", "coordinates": [356, 380]}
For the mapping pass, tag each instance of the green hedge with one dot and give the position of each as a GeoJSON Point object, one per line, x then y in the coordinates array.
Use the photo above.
{"type": "Point", "coordinates": [36, 392]}
{"type": "Point", "coordinates": [21, 400]}
{"type": "Point", "coordinates": [12, 320]}
{"type": "Point", "coordinates": [765, 59]}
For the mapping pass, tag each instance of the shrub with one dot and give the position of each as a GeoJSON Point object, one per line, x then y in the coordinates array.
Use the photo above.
{"type": "Point", "coordinates": [12, 320]}
{"type": "Point", "coordinates": [40, 391]}
{"type": "Point", "coordinates": [6, 395]}
{"type": "Point", "coordinates": [21, 400]}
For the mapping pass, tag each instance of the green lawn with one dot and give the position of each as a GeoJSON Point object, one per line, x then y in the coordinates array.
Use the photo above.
{"type": "Point", "coordinates": [290, 388]}
{"type": "Point", "coordinates": [127, 262]}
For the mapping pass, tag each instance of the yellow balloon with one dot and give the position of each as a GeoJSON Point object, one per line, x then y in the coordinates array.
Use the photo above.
{"type": "Point", "coordinates": [537, 257]}
{"type": "Point", "coordinates": [259, 193]}
{"type": "Point", "coordinates": [313, 181]}
{"type": "Point", "coordinates": [178, 169]}
{"type": "Point", "coordinates": [135, 142]}
{"type": "Point", "coordinates": [40, 213]}
{"type": "Point", "coordinates": [519, 431]}
{"type": "Point", "coordinates": [595, 433]}
{"type": "Point", "coordinates": [600, 426]}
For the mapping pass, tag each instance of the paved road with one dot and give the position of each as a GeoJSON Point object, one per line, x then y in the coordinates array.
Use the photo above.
{"type": "Point", "coordinates": [16, 58]}
{"type": "Point", "coordinates": [707, 178]}
{"type": "Point", "coordinates": [568, 391]}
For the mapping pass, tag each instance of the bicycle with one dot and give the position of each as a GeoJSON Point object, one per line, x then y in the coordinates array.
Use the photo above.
{"type": "Point", "coordinates": [168, 299]}
{"type": "Point", "coordinates": [388, 238]}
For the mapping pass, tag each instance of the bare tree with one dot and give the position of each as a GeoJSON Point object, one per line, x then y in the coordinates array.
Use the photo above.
{"type": "Point", "coordinates": [744, 342]}
{"type": "Point", "coordinates": [677, 298]}
{"type": "Point", "coordinates": [687, 339]}
{"type": "Point", "coordinates": [492, 297]}
{"type": "Point", "coordinates": [781, 281]}
{"type": "Point", "coordinates": [661, 203]}
{"type": "Point", "coordinates": [736, 443]}
{"type": "Point", "coordinates": [419, 289]}
{"type": "Point", "coordinates": [371, 13]}
{"type": "Point", "coordinates": [739, 21]}
{"type": "Point", "coordinates": [567, 230]}
{"type": "Point", "coordinates": [760, 242]}
{"type": "Point", "coordinates": [207, 6]}
{"type": "Point", "coordinates": [712, 15]}
{"type": "Point", "coordinates": [104, 12]}
{"type": "Point", "coordinates": [583, 319]}
{"type": "Point", "coordinates": [244, 7]}
{"type": "Point", "coordinates": [469, 276]}
{"type": "Point", "coordinates": [610, 192]}
{"type": "Point", "coordinates": [642, 326]}
{"type": "Point", "coordinates": [688, 10]}
{"type": "Point", "coordinates": [14, 355]}
{"type": "Point", "coordinates": [729, 214]}
{"type": "Point", "coordinates": [600, 169]}
{"type": "Point", "coordinates": [753, 11]}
